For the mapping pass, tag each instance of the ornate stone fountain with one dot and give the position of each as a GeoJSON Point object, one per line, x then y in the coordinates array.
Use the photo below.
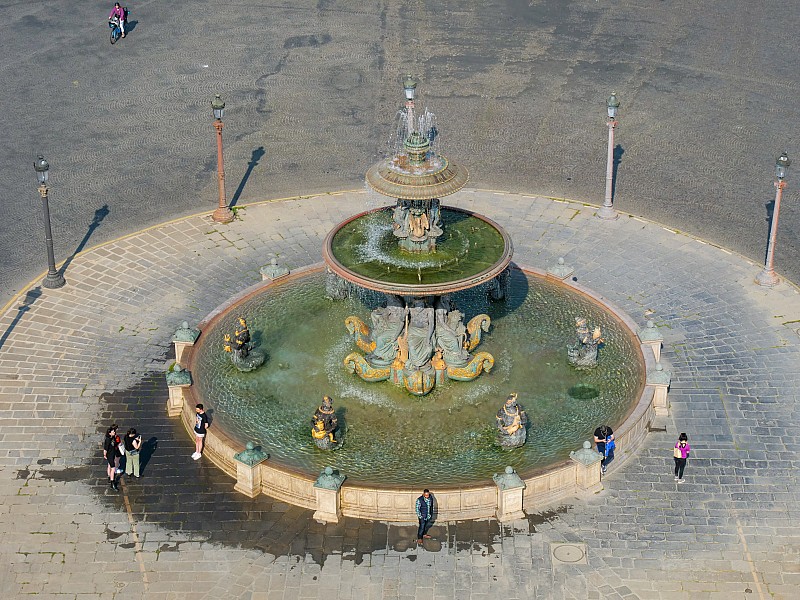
{"type": "Point", "coordinates": [417, 253]}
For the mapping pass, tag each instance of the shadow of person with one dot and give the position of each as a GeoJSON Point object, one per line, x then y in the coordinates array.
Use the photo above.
{"type": "Point", "coordinates": [130, 26]}
{"type": "Point", "coordinates": [147, 450]}
{"type": "Point", "coordinates": [30, 297]}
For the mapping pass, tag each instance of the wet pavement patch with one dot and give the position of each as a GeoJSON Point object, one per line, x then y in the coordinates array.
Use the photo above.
{"type": "Point", "coordinates": [195, 497]}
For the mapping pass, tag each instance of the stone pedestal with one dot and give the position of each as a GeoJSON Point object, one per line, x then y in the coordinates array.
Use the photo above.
{"type": "Point", "coordinates": [177, 382]}
{"type": "Point", "coordinates": [326, 489]}
{"type": "Point", "coordinates": [184, 337]}
{"type": "Point", "coordinates": [560, 270]}
{"type": "Point", "coordinates": [273, 271]}
{"type": "Point", "coordinates": [659, 380]}
{"type": "Point", "coordinates": [248, 474]}
{"type": "Point", "coordinates": [588, 460]}
{"type": "Point", "coordinates": [651, 337]}
{"type": "Point", "coordinates": [509, 496]}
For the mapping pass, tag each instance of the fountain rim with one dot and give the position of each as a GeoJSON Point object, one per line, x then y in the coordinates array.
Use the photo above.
{"type": "Point", "coordinates": [422, 289]}
{"type": "Point", "coordinates": [627, 425]}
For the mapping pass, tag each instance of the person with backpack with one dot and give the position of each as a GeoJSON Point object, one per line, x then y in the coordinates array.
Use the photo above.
{"type": "Point", "coordinates": [133, 444]}
{"type": "Point", "coordinates": [680, 453]}
{"type": "Point", "coordinates": [111, 454]}
{"type": "Point", "coordinates": [604, 440]}
{"type": "Point", "coordinates": [424, 509]}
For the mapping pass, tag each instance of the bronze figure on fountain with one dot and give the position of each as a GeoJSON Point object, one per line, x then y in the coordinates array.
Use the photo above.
{"type": "Point", "coordinates": [324, 425]}
{"type": "Point", "coordinates": [244, 355]}
{"type": "Point", "coordinates": [511, 422]}
{"type": "Point", "coordinates": [583, 354]}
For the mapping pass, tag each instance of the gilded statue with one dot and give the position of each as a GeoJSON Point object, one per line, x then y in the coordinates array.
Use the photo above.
{"type": "Point", "coordinates": [324, 425]}
{"type": "Point", "coordinates": [511, 422]}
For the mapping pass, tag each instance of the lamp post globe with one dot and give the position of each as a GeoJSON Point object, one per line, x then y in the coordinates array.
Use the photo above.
{"type": "Point", "coordinates": [410, 87]}
{"type": "Point", "coordinates": [218, 106]}
{"type": "Point", "coordinates": [781, 164]}
{"type": "Point", "coordinates": [53, 279]}
{"type": "Point", "coordinates": [42, 168]}
{"type": "Point", "coordinates": [767, 277]}
{"type": "Point", "coordinates": [612, 105]}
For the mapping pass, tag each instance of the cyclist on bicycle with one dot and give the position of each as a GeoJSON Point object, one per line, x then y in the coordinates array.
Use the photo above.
{"type": "Point", "coordinates": [118, 16]}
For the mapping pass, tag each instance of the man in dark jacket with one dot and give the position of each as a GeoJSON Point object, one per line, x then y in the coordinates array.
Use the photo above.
{"type": "Point", "coordinates": [424, 509]}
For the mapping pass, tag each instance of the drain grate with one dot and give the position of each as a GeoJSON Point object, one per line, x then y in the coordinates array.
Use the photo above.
{"type": "Point", "coordinates": [568, 554]}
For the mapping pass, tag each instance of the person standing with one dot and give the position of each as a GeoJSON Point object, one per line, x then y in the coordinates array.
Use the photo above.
{"type": "Point", "coordinates": [604, 440]}
{"type": "Point", "coordinates": [201, 425]}
{"type": "Point", "coordinates": [680, 453]}
{"type": "Point", "coordinates": [111, 454]}
{"type": "Point", "coordinates": [133, 445]}
{"type": "Point", "coordinates": [424, 508]}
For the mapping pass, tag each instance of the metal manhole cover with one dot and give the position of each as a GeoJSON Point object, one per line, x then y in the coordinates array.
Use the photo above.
{"type": "Point", "coordinates": [569, 554]}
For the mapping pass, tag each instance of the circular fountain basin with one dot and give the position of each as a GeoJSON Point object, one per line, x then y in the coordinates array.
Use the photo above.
{"type": "Point", "coordinates": [392, 439]}
{"type": "Point", "coordinates": [472, 250]}
{"type": "Point", "coordinates": [437, 177]}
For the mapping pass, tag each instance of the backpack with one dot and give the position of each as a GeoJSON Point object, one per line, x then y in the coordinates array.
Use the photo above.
{"type": "Point", "coordinates": [610, 445]}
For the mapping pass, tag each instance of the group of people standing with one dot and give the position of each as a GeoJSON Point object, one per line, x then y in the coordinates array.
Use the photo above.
{"type": "Point", "coordinates": [605, 444]}
{"type": "Point", "coordinates": [119, 451]}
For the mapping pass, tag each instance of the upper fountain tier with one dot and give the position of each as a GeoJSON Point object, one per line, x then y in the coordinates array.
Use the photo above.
{"type": "Point", "coordinates": [417, 173]}
{"type": "Point", "coordinates": [415, 170]}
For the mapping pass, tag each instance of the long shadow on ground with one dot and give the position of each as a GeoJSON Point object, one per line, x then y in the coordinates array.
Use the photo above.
{"type": "Point", "coordinates": [195, 497]}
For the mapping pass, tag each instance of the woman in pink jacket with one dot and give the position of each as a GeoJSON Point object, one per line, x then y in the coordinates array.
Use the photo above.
{"type": "Point", "coordinates": [118, 14]}
{"type": "Point", "coordinates": [680, 454]}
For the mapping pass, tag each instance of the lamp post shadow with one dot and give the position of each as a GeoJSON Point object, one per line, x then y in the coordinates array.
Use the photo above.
{"type": "Point", "coordinates": [257, 155]}
{"type": "Point", "coordinates": [770, 208]}
{"type": "Point", "coordinates": [31, 296]}
{"type": "Point", "coordinates": [100, 214]}
{"type": "Point", "coordinates": [618, 152]}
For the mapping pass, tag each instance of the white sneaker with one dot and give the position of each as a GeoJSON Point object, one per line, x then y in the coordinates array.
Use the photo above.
{"type": "Point", "coordinates": [681, 480]}
{"type": "Point", "coordinates": [676, 478]}
{"type": "Point", "coordinates": [196, 455]}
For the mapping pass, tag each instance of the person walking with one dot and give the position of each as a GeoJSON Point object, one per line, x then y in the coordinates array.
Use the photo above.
{"type": "Point", "coordinates": [424, 508]}
{"type": "Point", "coordinates": [133, 445]}
{"type": "Point", "coordinates": [201, 425]}
{"type": "Point", "coordinates": [111, 454]}
{"type": "Point", "coordinates": [680, 453]}
{"type": "Point", "coordinates": [604, 440]}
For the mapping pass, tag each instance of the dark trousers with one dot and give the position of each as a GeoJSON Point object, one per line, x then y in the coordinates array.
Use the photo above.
{"type": "Point", "coordinates": [424, 525]}
{"type": "Point", "coordinates": [680, 465]}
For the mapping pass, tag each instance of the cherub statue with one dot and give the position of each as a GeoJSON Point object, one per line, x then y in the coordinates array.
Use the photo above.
{"type": "Point", "coordinates": [583, 355]}
{"type": "Point", "coordinates": [324, 424]}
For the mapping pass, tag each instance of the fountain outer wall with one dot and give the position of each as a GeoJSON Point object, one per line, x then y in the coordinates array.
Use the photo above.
{"type": "Point", "coordinates": [472, 501]}
{"type": "Point", "coordinates": [422, 289]}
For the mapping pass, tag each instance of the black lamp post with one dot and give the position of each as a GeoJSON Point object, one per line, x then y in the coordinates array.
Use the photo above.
{"type": "Point", "coordinates": [607, 211]}
{"type": "Point", "coordinates": [53, 279]}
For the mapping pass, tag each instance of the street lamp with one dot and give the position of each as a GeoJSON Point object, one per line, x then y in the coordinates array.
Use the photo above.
{"type": "Point", "coordinates": [222, 214]}
{"type": "Point", "coordinates": [767, 277]}
{"type": "Point", "coordinates": [410, 89]}
{"type": "Point", "coordinates": [53, 279]}
{"type": "Point", "coordinates": [607, 211]}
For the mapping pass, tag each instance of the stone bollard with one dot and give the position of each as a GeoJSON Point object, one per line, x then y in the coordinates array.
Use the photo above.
{"type": "Point", "coordinates": [272, 271]}
{"type": "Point", "coordinates": [588, 474]}
{"type": "Point", "coordinates": [650, 336]}
{"type": "Point", "coordinates": [184, 336]}
{"type": "Point", "coordinates": [560, 270]}
{"type": "Point", "coordinates": [509, 495]}
{"type": "Point", "coordinates": [329, 504]}
{"type": "Point", "coordinates": [178, 379]}
{"type": "Point", "coordinates": [659, 379]}
{"type": "Point", "coordinates": [248, 475]}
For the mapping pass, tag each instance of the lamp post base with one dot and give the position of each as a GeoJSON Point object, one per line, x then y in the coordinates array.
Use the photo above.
{"type": "Point", "coordinates": [607, 213]}
{"type": "Point", "coordinates": [223, 214]}
{"type": "Point", "coordinates": [54, 281]}
{"type": "Point", "coordinates": [767, 278]}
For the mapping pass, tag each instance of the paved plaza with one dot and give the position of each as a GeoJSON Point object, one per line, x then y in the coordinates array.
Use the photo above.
{"type": "Point", "coordinates": [519, 86]}
{"type": "Point", "coordinates": [75, 359]}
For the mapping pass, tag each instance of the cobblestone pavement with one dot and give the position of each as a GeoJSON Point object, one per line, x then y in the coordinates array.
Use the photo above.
{"type": "Point", "coordinates": [519, 86]}
{"type": "Point", "coordinates": [74, 359]}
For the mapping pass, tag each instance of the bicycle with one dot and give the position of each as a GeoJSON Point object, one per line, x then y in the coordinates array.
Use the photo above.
{"type": "Point", "coordinates": [116, 30]}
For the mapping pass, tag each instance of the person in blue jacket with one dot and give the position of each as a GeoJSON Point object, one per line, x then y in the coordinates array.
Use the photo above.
{"type": "Point", "coordinates": [424, 509]}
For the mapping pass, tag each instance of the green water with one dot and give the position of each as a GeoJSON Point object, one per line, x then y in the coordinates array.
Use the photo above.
{"type": "Point", "coordinates": [467, 247]}
{"type": "Point", "coordinates": [391, 437]}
